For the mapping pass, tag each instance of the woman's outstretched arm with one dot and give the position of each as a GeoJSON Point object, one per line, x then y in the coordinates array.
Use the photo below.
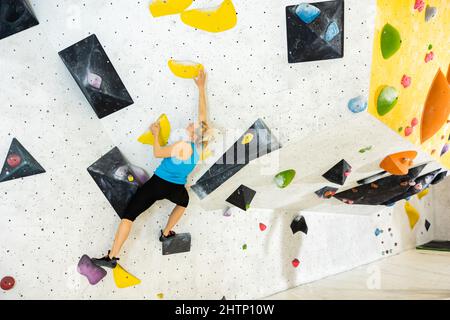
{"type": "Point", "coordinates": [200, 81]}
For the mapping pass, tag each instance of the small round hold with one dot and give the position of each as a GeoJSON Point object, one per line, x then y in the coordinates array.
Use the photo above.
{"type": "Point", "coordinates": [7, 283]}
{"type": "Point", "coordinates": [130, 178]}
{"type": "Point", "coordinates": [14, 160]}
{"type": "Point", "coordinates": [247, 138]}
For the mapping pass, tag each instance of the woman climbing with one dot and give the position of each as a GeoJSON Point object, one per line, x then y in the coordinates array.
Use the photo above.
{"type": "Point", "coordinates": [169, 179]}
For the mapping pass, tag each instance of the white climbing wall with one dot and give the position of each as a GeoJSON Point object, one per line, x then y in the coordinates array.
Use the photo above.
{"type": "Point", "coordinates": [48, 221]}
{"type": "Point", "coordinates": [441, 207]}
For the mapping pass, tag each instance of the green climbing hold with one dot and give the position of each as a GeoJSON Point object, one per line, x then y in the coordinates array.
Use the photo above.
{"type": "Point", "coordinates": [284, 178]}
{"type": "Point", "coordinates": [244, 247]}
{"type": "Point", "coordinates": [430, 46]}
{"type": "Point", "coordinates": [365, 149]}
{"type": "Point", "coordinates": [390, 41]}
{"type": "Point", "coordinates": [387, 100]}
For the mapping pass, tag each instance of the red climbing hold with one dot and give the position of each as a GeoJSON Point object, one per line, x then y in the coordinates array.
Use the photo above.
{"type": "Point", "coordinates": [7, 283]}
{"type": "Point", "coordinates": [13, 160]}
{"type": "Point", "coordinates": [429, 56]}
{"type": "Point", "coordinates": [406, 81]}
{"type": "Point", "coordinates": [414, 122]}
{"type": "Point", "coordinates": [408, 131]}
{"type": "Point", "coordinates": [262, 227]}
{"type": "Point", "coordinates": [295, 263]}
{"type": "Point", "coordinates": [419, 5]}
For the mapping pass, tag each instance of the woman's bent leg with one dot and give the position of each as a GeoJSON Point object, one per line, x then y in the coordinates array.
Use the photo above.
{"type": "Point", "coordinates": [121, 236]}
{"type": "Point", "coordinates": [175, 216]}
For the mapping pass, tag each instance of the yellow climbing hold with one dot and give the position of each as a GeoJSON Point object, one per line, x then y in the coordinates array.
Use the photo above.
{"type": "Point", "coordinates": [123, 279]}
{"type": "Point", "coordinates": [423, 193]}
{"type": "Point", "coordinates": [185, 69]}
{"type": "Point", "coordinates": [147, 137]}
{"type": "Point", "coordinates": [413, 214]}
{"type": "Point", "coordinates": [160, 8]}
{"type": "Point", "coordinates": [130, 178]}
{"type": "Point", "coordinates": [206, 153]}
{"type": "Point", "coordinates": [160, 295]}
{"type": "Point", "coordinates": [247, 138]}
{"type": "Point", "coordinates": [216, 19]}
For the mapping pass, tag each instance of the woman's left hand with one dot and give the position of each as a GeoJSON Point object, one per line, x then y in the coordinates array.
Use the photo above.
{"type": "Point", "coordinates": [201, 79]}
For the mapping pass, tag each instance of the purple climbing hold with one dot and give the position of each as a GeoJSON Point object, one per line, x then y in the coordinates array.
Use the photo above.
{"type": "Point", "coordinates": [444, 149]}
{"type": "Point", "coordinates": [91, 271]}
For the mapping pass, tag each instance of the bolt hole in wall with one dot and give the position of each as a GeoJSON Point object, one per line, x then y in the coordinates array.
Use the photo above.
{"type": "Point", "coordinates": [294, 92]}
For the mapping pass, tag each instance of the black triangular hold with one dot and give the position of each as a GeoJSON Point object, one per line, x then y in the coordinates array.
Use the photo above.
{"type": "Point", "coordinates": [299, 224]}
{"type": "Point", "coordinates": [115, 177]}
{"type": "Point", "coordinates": [427, 224]}
{"type": "Point", "coordinates": [380, 191]}
{"type": "Point", "coordinates": [439, 177]}
{"type": "Point", "coordinates": [307, 42]}
{"type": "Point", "coordinates": [339, 173]}
{"type": "Point", "coordinates": [179, 243]}
{"type": "Point", "coordinates": [223, 298]}
{"type": "Point", "coordinates": [242, 197]}
{"type": "Point", "coordinates": [15, 16]}
{"type": "Point", "coordinates": [19, 163]}
{"type": "Point", "coordinates": [326, 192]}
{"type": "Point", "coordinates": [243, 151]}
{"type": "Point", "coordinates": [94, 73]}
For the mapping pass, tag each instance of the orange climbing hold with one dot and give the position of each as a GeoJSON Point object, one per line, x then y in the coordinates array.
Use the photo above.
{"type": "Point", "coordinates": [398, 163]}
{"type": "Point", "coordinates": [437, 107]}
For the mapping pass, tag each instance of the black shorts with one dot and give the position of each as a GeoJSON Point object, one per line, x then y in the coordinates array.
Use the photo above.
{"type": "Point", "coordinates": [153, 190]}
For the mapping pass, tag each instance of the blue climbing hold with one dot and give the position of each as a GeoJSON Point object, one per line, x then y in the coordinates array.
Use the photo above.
{"type": "Point", "coordinates": [307, 13]}
{"type": "Point", "coordinates": [378, 232]}
{"type": "Point", "coordinates": [332, 31]}
{"type": "Point", "coordinates": [358, 104]}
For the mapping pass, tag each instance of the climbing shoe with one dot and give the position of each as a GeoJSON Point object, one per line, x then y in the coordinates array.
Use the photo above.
{"type": "Point", "coordinates": [106, 261]}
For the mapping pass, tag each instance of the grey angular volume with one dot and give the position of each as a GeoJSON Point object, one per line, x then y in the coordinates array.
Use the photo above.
{"type": "Point", "coordinates": [19, 163]}
{"type": "Point", "coordinates": [96, 76]}
{"type": "Point", "coordinates": [237, 157]}
{"type": "Point", "coordinates": [115, 178]}
{"type": "Point", "coordinates": [308, 41]}
{"type": "Point", "coordinates": [179, 243]}
{"type": "Point", "coordinates": [15, 16]}
{"type": "Point", "coordinates": [382, 190]}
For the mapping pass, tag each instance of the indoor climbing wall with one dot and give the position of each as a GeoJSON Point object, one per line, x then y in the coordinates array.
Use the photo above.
{"type": "Point", "coordinates": [70, 117]}
{"type": "Point", "coordinates": [409, 89]}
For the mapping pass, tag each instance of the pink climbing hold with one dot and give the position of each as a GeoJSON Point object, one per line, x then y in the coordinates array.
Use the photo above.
{"type": "Point", "coordinates": [408, 131]}
{"type": "Point", "coordinates": [295, 263]}
{"type": "Point", "coordinates": [7, 283]}
{"type": "Point", "coordinates": [414, 122]}
{"type": "Point", "coordinates": [13, 160]}
{"type": "Point", "coordinates": [429, 56]}
{"type": "Point", "coordinates": [262, 227]}
{"type": "Point", "coordinates": [406, 81]}
{"type": "Point", "coordinates": [347, 173]}
{"type": "Point", "coordinates": [419, 5]}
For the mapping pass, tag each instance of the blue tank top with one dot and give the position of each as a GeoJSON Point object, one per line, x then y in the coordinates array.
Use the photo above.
{"type": "Point", "coordinates": [175, 170]}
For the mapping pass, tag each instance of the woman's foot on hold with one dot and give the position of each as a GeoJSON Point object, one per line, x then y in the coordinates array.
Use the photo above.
{"type": "Point", "coordinates": [106, 261]}
{"type": "Point", "coordinates": [164, 238]}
